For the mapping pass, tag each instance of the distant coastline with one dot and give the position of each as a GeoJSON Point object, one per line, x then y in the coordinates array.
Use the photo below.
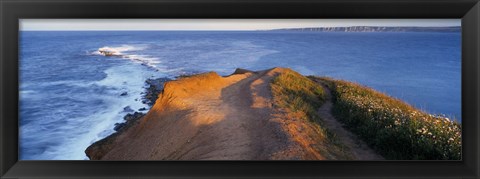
{"type": "Point", "coordinates": [374, 29]}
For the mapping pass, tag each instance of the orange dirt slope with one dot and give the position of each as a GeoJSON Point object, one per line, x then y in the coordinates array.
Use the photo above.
{"type": "Point", "coordinates": [210, 117]}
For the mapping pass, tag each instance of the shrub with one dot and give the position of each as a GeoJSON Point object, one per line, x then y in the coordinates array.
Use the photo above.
{"type": "Point", "coordinates": [393, 128]}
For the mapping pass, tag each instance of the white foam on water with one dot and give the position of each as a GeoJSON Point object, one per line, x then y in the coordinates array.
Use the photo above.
{"type": "Point", "coordinates": [79, 83]}
{"type": "Point", "coordinates": [118, 50]}
{"type": "Point", "coordinates": [126, 78]}
{"type": "Point", "coordinates": [27, 93]}
{"type": "Point", "coordinates": [131, 52]}
{"type": "Point", "coordinates": [69, 140]}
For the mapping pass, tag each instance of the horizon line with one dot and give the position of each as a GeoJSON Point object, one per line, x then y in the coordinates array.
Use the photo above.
{"type": "Point", "coordinates": [219, 24]}
{"type": "Point", "coordinates": [246, 30]}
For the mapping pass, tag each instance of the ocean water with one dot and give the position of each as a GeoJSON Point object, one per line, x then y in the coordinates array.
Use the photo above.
{"type": "Point", "coordinates": [70, 94]}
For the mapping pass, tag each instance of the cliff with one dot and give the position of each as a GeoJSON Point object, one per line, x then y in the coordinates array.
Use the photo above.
{"type": "Point", "coordinates": [210, 117]}
{"type": "Point", "coordinates": [278, 114]}
{"type": "Point", "coordinates": [375, 29]}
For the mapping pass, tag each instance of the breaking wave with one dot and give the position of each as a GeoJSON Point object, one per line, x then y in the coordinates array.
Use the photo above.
{"type": "Point", "coordinates": [130, 52]}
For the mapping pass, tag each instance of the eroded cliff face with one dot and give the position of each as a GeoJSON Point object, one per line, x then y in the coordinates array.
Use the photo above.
{"type": "Point", "coordinates": [376, 29]}
{"type": "Point", "coordinates": [210, 117]}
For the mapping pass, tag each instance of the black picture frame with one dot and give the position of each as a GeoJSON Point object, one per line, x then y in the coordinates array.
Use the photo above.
{"type": "Point", "coordinates": [13, 10]}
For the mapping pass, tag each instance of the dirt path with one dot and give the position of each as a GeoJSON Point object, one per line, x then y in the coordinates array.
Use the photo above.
{"type": "Point", "coordinates": [241, 130]}
{"type": "Point", "coordinates": [208, 118]}
{"type": "Point", "coordinates": [359, 149]}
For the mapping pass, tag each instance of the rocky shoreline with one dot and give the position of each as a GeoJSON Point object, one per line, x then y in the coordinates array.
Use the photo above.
{"type": "Point", "coordinates": [155, 87]}
{"type": "Point", "coordinates": [251, 116]}
{"type": "Point", "coordinates": [212, 117]}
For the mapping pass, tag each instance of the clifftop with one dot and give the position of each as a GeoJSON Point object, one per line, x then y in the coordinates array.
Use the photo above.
{"type": "Point", "coordinates": [209, 117]}
{"type": "Point", "coordinates": [278, 114]}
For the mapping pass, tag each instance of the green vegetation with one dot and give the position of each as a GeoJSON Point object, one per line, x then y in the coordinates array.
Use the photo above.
{"type": "Point", "coordinates": [300, 98]}
{"type": "Point", "coordinates": [393, 128]}
{"type": "Point", "coordinates": [297, 93]}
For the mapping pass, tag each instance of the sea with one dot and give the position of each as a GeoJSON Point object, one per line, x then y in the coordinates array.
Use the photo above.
{"type": "Point", "coordinates": [71, 95]}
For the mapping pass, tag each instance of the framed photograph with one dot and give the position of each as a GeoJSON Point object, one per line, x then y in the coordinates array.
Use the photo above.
{"type": "Point", "coordinates": [278, 89]}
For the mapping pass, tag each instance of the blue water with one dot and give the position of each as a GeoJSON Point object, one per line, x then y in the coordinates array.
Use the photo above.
{"type": "Point", "coordinates": [70, 94]}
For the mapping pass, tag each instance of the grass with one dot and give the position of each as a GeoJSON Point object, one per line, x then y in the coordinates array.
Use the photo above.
{"type": "Point", "coordinates": [298, 94]}
{"type": "Point", "coordinates": [393, 128]}
{"type": "Point", "coordinates": [300, 98]}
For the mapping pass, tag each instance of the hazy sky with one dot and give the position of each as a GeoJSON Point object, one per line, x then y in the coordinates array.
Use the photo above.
{"type": "Point", "coordinates": [218, 24]}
